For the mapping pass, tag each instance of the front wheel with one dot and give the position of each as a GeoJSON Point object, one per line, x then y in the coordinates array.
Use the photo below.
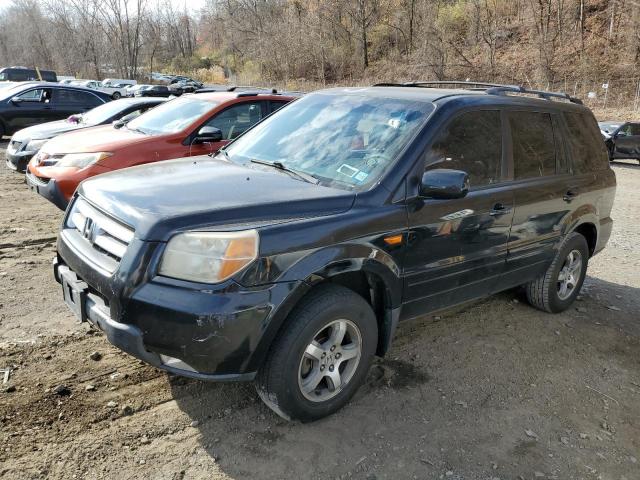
{"type": "Point", "coordinates": [321, 357]}
{"type": "Point", "coordinates": [557, 288]}
{"type": "Point", "coordinates": [116, 95]}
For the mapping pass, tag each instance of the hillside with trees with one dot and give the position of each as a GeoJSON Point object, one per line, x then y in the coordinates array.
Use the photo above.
{"type": "Point", "coordinates": [571, 45]}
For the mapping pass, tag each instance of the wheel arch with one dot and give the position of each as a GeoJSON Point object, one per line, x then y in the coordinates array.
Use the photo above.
{"type": "Point", "coordinates": [590, 232]}
{"type": "Point", "coordinates": [368, 271]}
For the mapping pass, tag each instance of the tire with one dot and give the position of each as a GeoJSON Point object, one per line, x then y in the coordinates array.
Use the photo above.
{"type": "Point", "coordinates": [116, 95]}
{"type": "Point", "coordinates": [546, 292]}
{"type": "Point", "coordinates": [285, 381]}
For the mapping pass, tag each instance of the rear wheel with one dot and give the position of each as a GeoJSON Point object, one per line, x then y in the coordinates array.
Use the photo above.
{"type": "Point", "coordinates": [556, 289]}
{"type": "Point", "coordinates": [322, 357]}
{"type": "Point", "coordinates": [116, 95]}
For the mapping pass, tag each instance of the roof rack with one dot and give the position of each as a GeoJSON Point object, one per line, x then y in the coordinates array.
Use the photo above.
{"type": "Point", "coordinates": [489, 88]}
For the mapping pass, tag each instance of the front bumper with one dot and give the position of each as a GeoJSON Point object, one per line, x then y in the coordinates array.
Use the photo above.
{"type": "Point", "coordinates": [48, 189]}
{"type": "Point", "coordinates": [18, 160]}
{"type": "Point", "coordinates": [210, 334]}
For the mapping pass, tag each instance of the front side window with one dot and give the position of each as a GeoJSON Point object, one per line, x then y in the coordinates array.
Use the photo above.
{"type": "Point", "coordinates": [587, 149]}
{"type": "Point", "coordinates": [236, 119]}
{"type": "Point", "coordinates": [472, 142]}
{"type": "Point", "coordinates": [634, 129]}
{"type": "Point", "coordinates": [171, 117]}
{"type": "Point", "coordinates": [35, 95]}
{"type": "Point", "coordinates": [534, 151]}
{"type": "Point", "coordinates": [346, 141]}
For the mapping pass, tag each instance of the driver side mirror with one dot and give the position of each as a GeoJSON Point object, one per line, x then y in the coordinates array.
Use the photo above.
{"type": "Point", "coordinates": [16, 100]}
{"type": "Point", "coordinates": [443, 183]}
{"type": "Point", "coordinates": [208, 134]}
{"type": "Point", "coordinates": [117, 124]}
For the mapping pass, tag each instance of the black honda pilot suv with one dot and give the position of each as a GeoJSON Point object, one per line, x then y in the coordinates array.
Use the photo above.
{"type": "Point", "coordinates": [289, 258]}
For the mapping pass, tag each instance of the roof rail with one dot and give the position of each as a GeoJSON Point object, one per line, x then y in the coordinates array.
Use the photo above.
{"type": "Point", "coordinates": [489, 88]}
{"type": "Point", "coordinates": [249, 87]}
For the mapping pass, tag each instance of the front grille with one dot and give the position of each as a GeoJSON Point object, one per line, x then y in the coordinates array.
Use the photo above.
{"type": "Point", "coordinates": [98, 236]}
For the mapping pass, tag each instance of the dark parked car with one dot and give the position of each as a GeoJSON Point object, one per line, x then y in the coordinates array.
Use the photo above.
{"type": "Point", "coordinates": [185, 86]}
{"type": "Point", "coordinates": [154, 91]}
{"type": "Point", "coordinates": [622, 139]}
{"type": "Point", "coordinates": [22, 74]}
{"type": "Point", "coordinates": [291, 256]}
{"type": "Point", "coordinates": [26, 143]}
{"type": "Point", "coordinates": [30, 103]}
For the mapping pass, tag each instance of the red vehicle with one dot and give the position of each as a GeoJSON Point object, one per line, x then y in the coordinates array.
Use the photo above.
{"type": "Point", "coordinates": [191, 125]}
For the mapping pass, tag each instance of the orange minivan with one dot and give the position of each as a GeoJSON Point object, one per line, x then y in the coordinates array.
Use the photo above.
{"type": "Point", "coordinates": [194, 124]}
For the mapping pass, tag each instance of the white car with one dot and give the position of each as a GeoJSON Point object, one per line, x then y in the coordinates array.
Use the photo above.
{"type": "Point", "coordinates": [109, 86]}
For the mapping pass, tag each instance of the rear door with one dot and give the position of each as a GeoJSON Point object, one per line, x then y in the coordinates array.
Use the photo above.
{"type": "Point", "coordinates": [67, 101]}
{"type": "Point", "coordinates": [457, 248]}
{"type": "Point", "coordinates": [542, 187]}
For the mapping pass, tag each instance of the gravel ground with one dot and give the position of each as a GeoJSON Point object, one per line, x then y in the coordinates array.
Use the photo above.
{"type": "Point", "coordinates": [492, 390]}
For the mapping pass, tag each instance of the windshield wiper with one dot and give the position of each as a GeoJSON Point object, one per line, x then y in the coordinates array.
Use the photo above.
{"type": "Point", "coordinates": [135, 129]}
{"type": "Point", "coordinates": [306, 177]}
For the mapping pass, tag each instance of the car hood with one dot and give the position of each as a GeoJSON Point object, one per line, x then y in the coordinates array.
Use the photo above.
{"type": "Point", "coordinates": [46, 130]}
{"type": "Point", "coordinates": [103, 138]}
{"type": "Point", "coordinates": [205, 193]}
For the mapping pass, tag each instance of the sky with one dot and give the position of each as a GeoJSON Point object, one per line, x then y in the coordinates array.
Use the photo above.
{"type": "Point", "coordinates": [191, 5]}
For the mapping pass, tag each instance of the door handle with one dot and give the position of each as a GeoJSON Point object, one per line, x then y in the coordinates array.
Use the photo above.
{"type": "Point", "coordinates": [569, 196]}
{"type": "Point", "coordinates": [499, 209]}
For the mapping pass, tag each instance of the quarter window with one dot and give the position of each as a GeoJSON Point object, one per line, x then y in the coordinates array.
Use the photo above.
{"type": "Point", "coordinates": [236, 119]}
{"type": "Point", "coordinates": [534, 152]}
{"type": "Point", "coordinates": [471, 143]}
{"type": "Point", "coordinates": [588, 151]}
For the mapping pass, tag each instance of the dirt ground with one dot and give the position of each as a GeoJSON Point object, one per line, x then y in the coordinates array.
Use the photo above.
{"type": "Point", "coordinates": [495, 390]}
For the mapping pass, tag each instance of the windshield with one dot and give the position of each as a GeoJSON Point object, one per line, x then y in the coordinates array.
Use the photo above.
{"type": "Point", "coordinates": [171, 117]}
{"type": "Point", "coordinates": [104, 112]}
{"type": "Point", "coordinates": [345, 141]}
{"type": "Point", "coordinates": [609, 127]}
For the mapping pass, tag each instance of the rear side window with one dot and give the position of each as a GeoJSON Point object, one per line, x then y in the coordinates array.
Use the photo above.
{"type": "Point", "coordinates": [473, 143]}
{"type": "Point", "coordinates": [62, 95]}
{"type": "Point", "coordinates": [534, 152]}
{"type": "Point", "coordinates": [588, 151]}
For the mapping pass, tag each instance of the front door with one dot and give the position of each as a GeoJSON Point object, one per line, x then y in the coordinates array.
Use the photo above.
{"type": "Point", "coordinates": [457, 248]}
{"type": "Point", "coordinates": [627, 141]}
{"type": "Point", "coordinates": [28, 108]}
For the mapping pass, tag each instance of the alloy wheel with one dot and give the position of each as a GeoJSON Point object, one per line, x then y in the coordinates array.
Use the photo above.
{"type": "Point", "coordinates": [569, 274]}
{"type": "Point", "coordinates": [330, 360]}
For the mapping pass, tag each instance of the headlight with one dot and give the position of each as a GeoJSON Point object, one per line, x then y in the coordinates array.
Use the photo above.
{"type": "Point", "coordinates": [81, 160]}
{"type": "Point", "coordinates": [35, 145]}
{"type": "Point", "coordinates": [209, 257]}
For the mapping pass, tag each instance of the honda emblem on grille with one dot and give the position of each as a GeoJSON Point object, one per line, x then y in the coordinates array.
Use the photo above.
{"type": "Point", "coordinates": [89, 230]}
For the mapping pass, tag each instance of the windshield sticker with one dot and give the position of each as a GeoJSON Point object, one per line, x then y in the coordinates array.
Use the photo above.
{"type": "Point", "coordinates": [360, 176]}
{"type": "Point", "coordinates": [347, 170]}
